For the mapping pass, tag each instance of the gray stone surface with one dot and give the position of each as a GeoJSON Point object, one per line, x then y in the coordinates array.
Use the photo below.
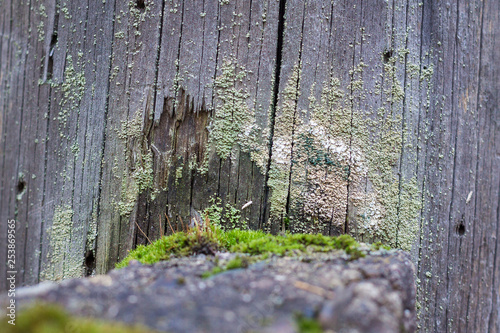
{"type": "Point", "coordinates": [371, 294]}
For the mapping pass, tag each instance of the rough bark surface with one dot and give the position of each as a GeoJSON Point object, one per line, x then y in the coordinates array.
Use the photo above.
{"type": "Point", "coordinates": [374, 118]}
{"type": "Point", "coordinates": [372, 294]}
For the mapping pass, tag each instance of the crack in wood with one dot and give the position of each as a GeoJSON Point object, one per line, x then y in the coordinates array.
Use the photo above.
{"type": "Point", "coordinates": [274, 103]}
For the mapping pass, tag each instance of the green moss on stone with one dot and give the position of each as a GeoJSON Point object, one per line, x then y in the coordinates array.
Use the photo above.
{"type": "Point", "coordinates": [235, 263]}
{"type": "Point", "coordinates": [307, 325]}
{"type": "Point", "coordinates": [46, 317]}
{"type": "Point", "coordinates": [255, 243]}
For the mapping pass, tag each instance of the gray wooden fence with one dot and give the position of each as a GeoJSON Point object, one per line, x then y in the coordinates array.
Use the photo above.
{"type": "Point", "coordinates": [376, 118]}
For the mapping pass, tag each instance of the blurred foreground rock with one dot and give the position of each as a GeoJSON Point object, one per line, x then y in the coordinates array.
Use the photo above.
{"type": "Point", "coordinates": [371, 294]}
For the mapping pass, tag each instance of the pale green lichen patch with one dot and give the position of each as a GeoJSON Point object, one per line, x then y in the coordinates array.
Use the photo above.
{"type": "Point", "coordinates": [62, 264]}
{"type": "Point", "coordinates": [75, 149]}
{"type": "Point", "coordinates": [139, 177]}
{"type": "Point", "coordinates": [137, 14]}
{"type": "Point", "coordinates": [41, 31]}
{"type": "Point", "coordinates": [143, 173]}
{"type": "Point", "coordinates": [178, 173]}
{"type": "Point", "coordinates": [233, 123]}
{"type": "Point", "coordinates": [344, 153]}
{"type": "Point", "coordinates": [64, 9]}
{"type": "Point", "coordinates": [226, 217]}
{"type": "Point", "coordinates": [92, 232]}
{"type": "Point", "coordinates": [73, 88]}
{"type": "Point", "coordinates": [119, 34]}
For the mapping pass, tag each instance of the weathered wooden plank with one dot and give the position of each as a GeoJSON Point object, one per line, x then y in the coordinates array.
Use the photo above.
{"type": "Point", "coordinates": [16, 82]}
{"type": "Point", "coordinates": [58, 214]}
{"type": "Point", "coordinates": [143, 36]}
{"type": "Point", "coordinates": [454, 234]}
{"type": "Point", "coordinates": [211, 162]}
{"type": "Point", "coordinates": [441, 145]}
{"type": "Point", "coordinates": [251, 24]}
{"type": "Point", "coordinates": [439, 136]}
{"type": "Point", "coordinates": [77, 42]}
{"type": "Point", "coordinates": [284, 116]}
{"type": "Point", "coordinates": [426, 75]}
{"type": "Point", "coordinates": [112, 202]}
{"type": "Point", "coordinates": [190, 118]}
{"type": "Point", "coordinates": [334, 110]}
{"type": "Point", "coordinates": [23, 14]}
{"type": "Point", "coordinates": [172, 106]}
{"type": "Point", "coordinates": [360, 99]}
{"type": "Point", "coordinates": [414, 87]}
{"type": "Point", "coordinates": [487, 238]}
{"type": "Point", "coordinates": [97, 32]}
{"type": "Point", "coordinates": [188, 134]}
{"type": "Point", "coordinates": [372, 78]}
{"type": "Point", "coordinates": [468, 151]}
{"type": "Point", "coordinates": [242, 25]}
{"type": "Point", "coordinates": [3, 118]}
{"type": "Point", "coordinates": [13, 55]}
{"type": "Point", "coordinates": [317, 194]}
{"type": "Point", "coordinates": [4, 195]}
{"type": "Point", "coordinates": [127, 160]}
{"type": "Point", "coordinates": [206, 180]}
{"type": "Point", "coordinates": [33, 132]}
{"type": "Point", "coordinates": [229, 98]}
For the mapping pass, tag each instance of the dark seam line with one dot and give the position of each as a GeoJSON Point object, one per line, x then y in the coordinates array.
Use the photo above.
{"type": "Point", "coordinates": [219, 21]}
{"type": "Point", "coordinates": [403, 127]}
{"type": "Point", "coordinates": [422, 197]}
{"type": "Point", "coordinates": [202, 102]}
{"type": "Point", "coordinates": [19, 144]}
{"type": "Point", "coordinates": [155, 96]}
{"type": "Point", "coordinates": [104, 136]}
{"type": "Point", "coordinates": [454, 160]}
{"type": "Point", "coordinates": [49, 105]}
{"type": "Point", "coordinates": [351, 92]}
{"type": "Point", "coordinates": [297, 86]}
{"type": "Point", "coordinates": [274, 103]}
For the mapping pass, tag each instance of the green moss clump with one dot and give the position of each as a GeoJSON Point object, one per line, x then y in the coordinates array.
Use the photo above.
{"type": "Point", "coordinates": [42, 318]}
{"type": "Point", "coordinates": [211, 238]}
{"type": "Point", "coordinates": [235, 263]}
{"type": "Point", "coordinates": [180, 243]}
{"type": "Point", "coordinates": [307, 325]}
{"type": "Point", "coordinates": [282, 245]}
{"type": "Point", "coordinates": [216, 270]}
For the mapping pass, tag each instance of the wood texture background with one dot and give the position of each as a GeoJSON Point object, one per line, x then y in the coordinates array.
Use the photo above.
{"type": "Point", "coordinates": [376, 118]}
